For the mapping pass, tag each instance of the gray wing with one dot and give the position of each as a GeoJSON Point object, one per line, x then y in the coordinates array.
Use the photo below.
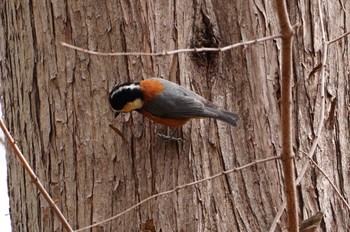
{"type": "Point", "coordinates": [178, 102]}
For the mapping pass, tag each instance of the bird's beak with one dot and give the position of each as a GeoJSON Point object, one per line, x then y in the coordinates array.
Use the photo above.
{"type": "Point", "coordinates": [116, 114]}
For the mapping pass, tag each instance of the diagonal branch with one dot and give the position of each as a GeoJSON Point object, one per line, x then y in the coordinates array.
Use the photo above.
{"type": "Point", "coordinates": [329, 180]}
{"type": "Point", "coordinates": [339, 38]}
{"type": "Point", "coordinates": [178, 188]}
{"type": "Point", "coordinates": [34, 177]}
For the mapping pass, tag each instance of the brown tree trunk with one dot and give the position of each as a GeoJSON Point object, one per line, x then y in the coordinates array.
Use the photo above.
{"type": "Point", "coordinates": [55, 103]}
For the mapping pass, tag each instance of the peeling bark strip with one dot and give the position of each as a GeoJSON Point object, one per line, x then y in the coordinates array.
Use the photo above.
{"type": "Point", "coordinates": [55, 102]}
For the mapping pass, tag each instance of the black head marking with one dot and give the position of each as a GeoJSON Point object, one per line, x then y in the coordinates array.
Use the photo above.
{"type": "Point", "coordinates": [120, 95]}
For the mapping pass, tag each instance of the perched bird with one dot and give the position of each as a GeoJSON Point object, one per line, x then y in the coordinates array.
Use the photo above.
{"type": "Point", "coordinates": [165, 102]}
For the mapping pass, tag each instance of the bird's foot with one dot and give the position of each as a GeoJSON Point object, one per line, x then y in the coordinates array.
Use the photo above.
{"type": "Point", "coordinates": [168, 138]}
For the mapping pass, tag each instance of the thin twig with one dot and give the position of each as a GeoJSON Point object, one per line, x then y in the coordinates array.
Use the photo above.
{"type": "Point", "coordinates": [178, 188]}
{"type": "Point", "coordinates": [286, 115]}
{"type": "Point", "coordinates": [204, 49]}
{"type": "Point", "coordinates": [339, 38]}
{"type": "Point", "coordinates": [323, 100]}
{"type": "Point", "coordinates": [34, 177]}
{"type": "Point", "coordinates": [329, 179]}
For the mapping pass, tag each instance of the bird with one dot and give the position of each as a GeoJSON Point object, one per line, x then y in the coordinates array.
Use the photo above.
{"type": "Point", "coordinates": [165, 102]}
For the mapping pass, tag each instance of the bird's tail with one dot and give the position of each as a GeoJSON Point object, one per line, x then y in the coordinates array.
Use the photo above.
{"type": "Point", "coordinates": [225, 116]}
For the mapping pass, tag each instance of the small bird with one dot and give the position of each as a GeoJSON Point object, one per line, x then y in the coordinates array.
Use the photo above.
{"type": "Point", "coordinates": [166, 103]}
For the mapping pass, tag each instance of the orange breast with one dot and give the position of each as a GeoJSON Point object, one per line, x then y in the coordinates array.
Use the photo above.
{"type": "Point", "coordinates": [165, 121]}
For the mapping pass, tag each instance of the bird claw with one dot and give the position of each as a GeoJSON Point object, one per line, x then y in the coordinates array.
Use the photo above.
{"type": "Point", "coordinates": [168, 138]}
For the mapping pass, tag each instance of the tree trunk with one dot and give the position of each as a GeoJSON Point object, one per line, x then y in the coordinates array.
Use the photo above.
{"type": "Point", "coordinates": [55, 102]}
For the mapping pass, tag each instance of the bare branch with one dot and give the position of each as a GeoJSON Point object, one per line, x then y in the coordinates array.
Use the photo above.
{"type": "Point", "coordinates": [178, 188]}
{"type": "Point", "coordinates": [286, 115]}
{"type": "Point", "coordinates": [34, 177]}
{"type": "Point", "coordinates": [320, 125]}
{"type": "Point", "coordinates": [204, 49]}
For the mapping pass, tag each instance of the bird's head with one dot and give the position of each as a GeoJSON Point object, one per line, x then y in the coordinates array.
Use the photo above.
{"type": "Point", "coordinates": [126, 97]}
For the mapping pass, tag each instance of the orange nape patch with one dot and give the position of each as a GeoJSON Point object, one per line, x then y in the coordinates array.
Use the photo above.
{"type": "Point", "coordinates": [151, 88]}
{"type": "Point", "coordinates": [170, 122]}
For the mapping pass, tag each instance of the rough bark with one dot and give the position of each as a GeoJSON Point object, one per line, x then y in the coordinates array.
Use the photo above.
{"type": "Point", "coordinates": [55, 103]}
